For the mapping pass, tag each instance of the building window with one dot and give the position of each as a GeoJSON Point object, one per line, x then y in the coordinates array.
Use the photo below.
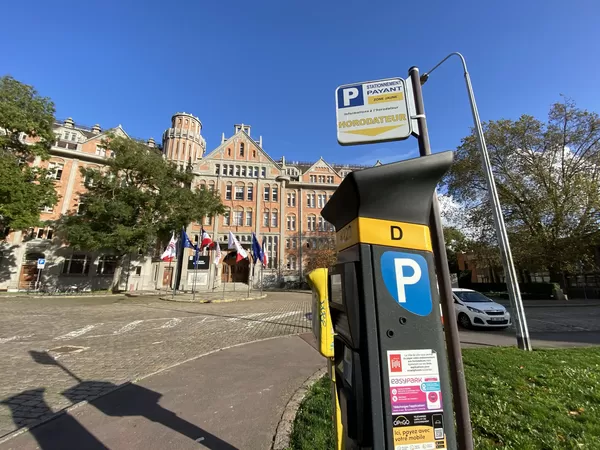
{"type": "Point", "coordinates": [230, 173]}
{"type": "Point", "coordinates": [202, 187]}
{"type": "Point", "coordinates": [44, 233]}
{"type": "Point", "coordinates": [107, 265]}
{"type": "Point", "coordinates": [248, 218]}
{"type": "Point", "coordinates": [207, 220]}
{"type": "Point", "coordinates": [239, 192]}
{"type": "Point", "coordinates": [47, 209]}
{"type": "Point", "coordinates": [77, 264]}
{"type": "Point", "coordinates": [138, 270]}
{"type": "Point", "coordinates": [322, 226]}
{"type": "Point", "coordinates": [255, 172]}
{"type": "Point", "coordinates": [266, 218]}
{"type": "Point", "coordinates": [254, 153]}
{"type": "Point", "coordinates": [226, 218]}
{"type": "Point", "coordinates": [330, 180]}
{"type": "Point", "coordinates": [291, 262]}
{"type": "Point", "coordinates": [211, 186]}
{"type": "Point", "coordinates": [321, 200]}
{"type": "Point", "coordinates": [55, 170]}
{"type": "Point", "coordinates": [312, 221]}
{"type": "Point", "coordinates": [228, 152]}
{"type": "Point", "coordinates": [274, 218]}
{"type": "Point", "coordinates": [310, 200]}
{"type": "Point", "coordinates": [288, 243]}
{"type": "Point", "coordinates": [238, 217]}
{"type": "Point", "coordinates": [294, 243]}
{"type": "Point", "coordinates": [243, 171]}
{"type": "Point", "coordinates": [275, 193]}
{"type": "Point", "coordinates": [100, 151]}
{"type": "Point", "coordinates": [263, 172]}
{"type": "Point", "coordinates": [241, 149]}
{"type": "Point", "coordinates": [313, 178]}
{"type": "Point", "coordinates": [250, 193]}
{"type": "Point", "coordinates": [80, 208]}
{"type": "Point", "coordinates": [217, 169]}
{"type": "Point", "coordinates": [267, 195]}
{"type": "Point", "coordinates": [291, 199]}
{"type": "Point", "coordinates": [228, 192]}
{"type": "Point", "coordinates": [291, 222]}
{"type": "Point", "coordinates": [237, 171]}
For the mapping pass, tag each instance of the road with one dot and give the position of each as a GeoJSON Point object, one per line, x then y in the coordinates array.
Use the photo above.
{"type": "Point", "coordinates": [112, 341]}
{"type": "Point", "coordinates": [99, 343]}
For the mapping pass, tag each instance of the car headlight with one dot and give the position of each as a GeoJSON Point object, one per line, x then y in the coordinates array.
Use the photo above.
{"type": "Point", "coordinates": [475, 310]}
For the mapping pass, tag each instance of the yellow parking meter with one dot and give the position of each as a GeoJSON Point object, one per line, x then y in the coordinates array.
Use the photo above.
{"type": "Point", "coordinates": [323, 331]}
{"type": "Point", "coordinates": [321, 318]}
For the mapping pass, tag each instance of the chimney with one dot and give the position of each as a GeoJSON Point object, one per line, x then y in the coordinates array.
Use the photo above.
{"type": "Point", "coordinates": [151, 143]}
{"type": "Point", "coordinates": [96, 129]}
{"type": "Point", "coordinates": [222, 137]}
{"type": "Point", "coordinates": [69, 123]}
{"type": "Point", "coordinates": [283, 160]}
{"type": "Point", "coordinates": [260, 141]}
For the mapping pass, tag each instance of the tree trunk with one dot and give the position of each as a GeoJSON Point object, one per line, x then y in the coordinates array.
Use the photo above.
{"type": "Point", "coordinates": [117, 275]}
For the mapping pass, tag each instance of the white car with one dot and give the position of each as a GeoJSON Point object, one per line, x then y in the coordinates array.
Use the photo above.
{"type": "Point", "coordinates": [474, 309]}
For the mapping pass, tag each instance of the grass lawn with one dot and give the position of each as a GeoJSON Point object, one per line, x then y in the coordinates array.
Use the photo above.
{"type": "Point", "coordinates": [547, 399]}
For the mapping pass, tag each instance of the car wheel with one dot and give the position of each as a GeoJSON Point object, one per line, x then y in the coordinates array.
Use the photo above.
{"type": "Point", "coordinates": [464, 321]}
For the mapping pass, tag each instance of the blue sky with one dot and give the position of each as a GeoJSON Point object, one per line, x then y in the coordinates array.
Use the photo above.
{"type": "Point", "coordinates": [275, 64]}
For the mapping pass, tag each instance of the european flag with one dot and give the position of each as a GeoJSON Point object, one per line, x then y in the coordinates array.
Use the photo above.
{"type": "Point", "coordinates": [186, 240]}
{"type": "Point", "coordinates": [257, 250]}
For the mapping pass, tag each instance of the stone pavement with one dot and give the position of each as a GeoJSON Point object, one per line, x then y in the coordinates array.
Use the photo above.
{"type": "Point", "coordinates": [112, 341]}
{"type": "Point", "coordinates": [231, 399]}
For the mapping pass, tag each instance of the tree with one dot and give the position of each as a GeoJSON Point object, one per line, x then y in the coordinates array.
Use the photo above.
{"type": "Point", "coordinates": [547, 176]}
{"type": "Point", "coordinates": [321, 258]}
{"type": "Point", "coordinates": [137, 199]}
{"type": "Point", "coordinates": [24, 187]}
{"type": "Point", "coordinates": [455, 242]}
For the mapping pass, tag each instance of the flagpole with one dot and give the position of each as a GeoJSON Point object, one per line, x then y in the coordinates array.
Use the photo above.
{"type": "Point", "coordinates": [195, 275]}
{"type": "Point", "coordinates": [171, 272]}
{"type": "Point", "coordinates": [261, 279]}
{"type": "Point", "coordinates": [251, 277]}
{"type": "Point", "coordinates": [176, 273]}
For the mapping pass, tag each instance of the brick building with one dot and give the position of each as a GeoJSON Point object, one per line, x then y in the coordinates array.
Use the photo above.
{"type": "Point", "coordinates": [279, 200]}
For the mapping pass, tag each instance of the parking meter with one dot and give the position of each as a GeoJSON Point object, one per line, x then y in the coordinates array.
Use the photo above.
{"type": "Point", "coordinates": [390, 360]}
{"type": "Point", "coordinates": [323, 332]}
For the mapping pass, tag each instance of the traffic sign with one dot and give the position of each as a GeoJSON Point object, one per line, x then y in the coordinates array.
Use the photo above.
{"type": "Point", "coordinates": [372, 111]}
{"type": "Point", "coordinates": [41, 263]}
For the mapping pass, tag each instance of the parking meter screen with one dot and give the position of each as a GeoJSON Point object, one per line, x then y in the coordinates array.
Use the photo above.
{"type": "Point", "coordinates": [336, 289]}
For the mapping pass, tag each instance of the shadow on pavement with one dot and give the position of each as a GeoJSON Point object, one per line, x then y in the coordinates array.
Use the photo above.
{"type": "Point", "coordinates": [130, 400]}
{"type": "Point", "coordinates": [22, 408]}
{"type": "Point", "coordinates": [568, 337]}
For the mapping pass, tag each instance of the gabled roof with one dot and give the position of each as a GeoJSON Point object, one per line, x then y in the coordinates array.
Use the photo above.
{"type": "Point", "coordinates": [227, 141]}
{"type": "Point", "coordinates": [324, 162]}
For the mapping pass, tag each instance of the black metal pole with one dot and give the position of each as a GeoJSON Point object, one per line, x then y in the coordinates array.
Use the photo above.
{"type": "Point", "coordinates": [457, 373]}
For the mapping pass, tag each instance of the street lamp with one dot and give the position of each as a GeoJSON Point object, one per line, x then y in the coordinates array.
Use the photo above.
{"type": "Point", "coordinates": [514, 295]}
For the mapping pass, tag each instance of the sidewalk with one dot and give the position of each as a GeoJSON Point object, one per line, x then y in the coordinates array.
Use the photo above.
{"type": "Point", "coordinates": [552, 303]}
{"type": "Point", "coordinates": [231, 399]}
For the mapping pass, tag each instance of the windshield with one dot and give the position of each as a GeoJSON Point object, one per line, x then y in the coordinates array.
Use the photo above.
{"type": "Point", "coordinates": [472, 297]}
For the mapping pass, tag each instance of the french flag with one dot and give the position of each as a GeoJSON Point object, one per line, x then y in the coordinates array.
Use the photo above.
{"type": "Point", "coordinates": [265, 257]}
{"type": "Point", "coordinates": [205, 239]}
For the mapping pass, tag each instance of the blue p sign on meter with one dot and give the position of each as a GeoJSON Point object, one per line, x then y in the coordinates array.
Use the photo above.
{"type": "Point", "coordinates": [374, 111]}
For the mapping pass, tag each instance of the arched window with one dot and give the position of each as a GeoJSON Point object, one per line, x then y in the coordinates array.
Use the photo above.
{"type": "Point", "coordinates": [238, 217]}
{"type": "Point", "coordinates": [248, 220]}
{"type": "Point", "coordinates": [239, 191]}
{"type": "Point", "coordinates": [227, 217]}
{"type": "Point", "coordinates": [310, 199]}
{"type": "Point", "coordinates": [274, 218]}
{"type": "Point", "coordinates": [267, 193]}
{"type": "Point", "coordinates": [291, 222]}
{"type": "Point", "coordinates": [291, 262]}
{"type": "Point", "coordinates": [228, 152]}
{"type": "Point", "coordinates": [241, 149]}
{"type": "Point", "coordinates": [228, 191]}
{"type": "Point", "coordinates": [250, 192]}
{"type": "Point", "coordinates": [312, 222]}
{"type": "Point", "coordinates": [211, 186]}
{"type": "Point", "coordinates": [266, 218]}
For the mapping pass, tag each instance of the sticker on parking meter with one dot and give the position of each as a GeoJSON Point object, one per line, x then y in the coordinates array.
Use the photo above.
{"type": "Point", "coordinates": [416, 399]}
{"type": "Point", "coordinates": [406, 278]}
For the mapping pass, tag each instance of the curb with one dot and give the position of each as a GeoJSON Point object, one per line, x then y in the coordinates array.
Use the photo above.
{"type": "Point", "coordinates": [281, 440]}
{"type": "Point", "coordinates": [13, 434]}
{"type": "Point", "coordinates": [225, 300]}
